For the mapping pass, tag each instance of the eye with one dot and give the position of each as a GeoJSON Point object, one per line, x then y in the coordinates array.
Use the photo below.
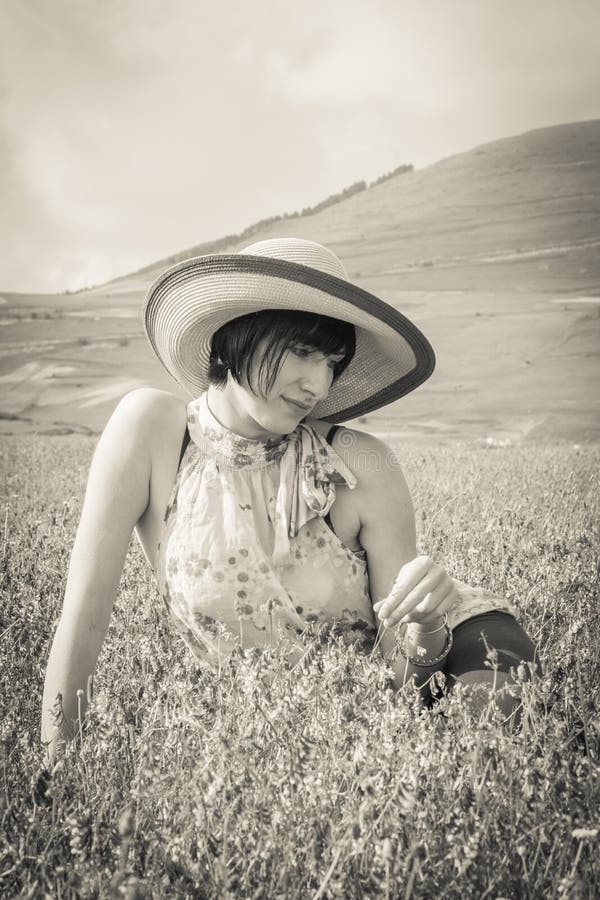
{"type": "Point", "coordinates": [304, 352]}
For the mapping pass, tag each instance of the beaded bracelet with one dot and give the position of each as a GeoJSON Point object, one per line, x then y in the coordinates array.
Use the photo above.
{"type": "Point", "coordinates": [425, 663]}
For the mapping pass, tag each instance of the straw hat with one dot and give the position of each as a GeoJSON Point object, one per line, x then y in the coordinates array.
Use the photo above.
{"type": "Point", "coordinates": [194, 298]}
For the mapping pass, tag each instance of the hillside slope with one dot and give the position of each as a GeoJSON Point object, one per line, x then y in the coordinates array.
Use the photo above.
{"type": "Point", "coordinates": [493, 252]}
{"type": "Point", "coordinates": [487, 219]}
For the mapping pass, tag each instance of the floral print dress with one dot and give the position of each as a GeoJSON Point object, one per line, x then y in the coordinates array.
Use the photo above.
{"type": "Point", "coordinates": [245, 556]}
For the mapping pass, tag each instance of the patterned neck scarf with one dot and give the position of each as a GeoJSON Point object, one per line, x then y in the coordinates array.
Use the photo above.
{"type": "Point", "coordinates": [309, 469]}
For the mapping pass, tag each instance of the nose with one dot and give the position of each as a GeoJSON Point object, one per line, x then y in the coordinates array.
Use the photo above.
{"type": "Point", "coordinates": [316, 379]}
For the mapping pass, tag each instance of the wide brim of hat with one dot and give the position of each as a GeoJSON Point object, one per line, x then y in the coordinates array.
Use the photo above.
{"type": "Point", "coordinates": [190, 301]}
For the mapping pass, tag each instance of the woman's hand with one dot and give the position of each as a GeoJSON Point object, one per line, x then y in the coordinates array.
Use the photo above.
{"type": "Point", "coordinates": [422, 593]}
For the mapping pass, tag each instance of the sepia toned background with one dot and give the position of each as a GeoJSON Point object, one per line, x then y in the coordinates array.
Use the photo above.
{"type": "Point", "coordinates": [449, 153]}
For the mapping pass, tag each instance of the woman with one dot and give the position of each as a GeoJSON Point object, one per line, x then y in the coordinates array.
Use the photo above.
{"type": "Point", "coordinates": [257, 516]}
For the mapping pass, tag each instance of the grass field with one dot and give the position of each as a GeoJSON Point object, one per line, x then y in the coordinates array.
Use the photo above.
{"type": "Point", "coordinates": [325, 783]}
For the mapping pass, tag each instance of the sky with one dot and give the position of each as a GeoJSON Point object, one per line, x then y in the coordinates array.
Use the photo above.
{"type": "Point", "coordinates": [132, 129]}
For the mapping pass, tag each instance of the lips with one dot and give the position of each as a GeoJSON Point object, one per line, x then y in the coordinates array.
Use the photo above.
{"type": "Point", "coordinates": [299, 406]}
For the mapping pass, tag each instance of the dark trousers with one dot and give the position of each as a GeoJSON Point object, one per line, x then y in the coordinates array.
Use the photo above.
{"type": "Point", "coordinates": [502, 632]}
{"type": "Point", "coordinates": [472, 642]}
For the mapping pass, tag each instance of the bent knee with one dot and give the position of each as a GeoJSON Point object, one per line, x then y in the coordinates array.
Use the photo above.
{"type": "Point", "coordinates": [485, 686]}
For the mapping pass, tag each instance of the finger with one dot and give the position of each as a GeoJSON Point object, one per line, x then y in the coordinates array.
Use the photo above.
{"type": "Point", "coordinates": [429, 608]}
{"type": "Point", "coordinates": [426, 611]}
{"type": "Point", "coordinates": [448, 603]}
{"type": "Point", "coordinates": [437, 604]}
{"type": "Point", "coordinates": [436, 578]}
{"type": "Point", "coordinates": [409, 575]}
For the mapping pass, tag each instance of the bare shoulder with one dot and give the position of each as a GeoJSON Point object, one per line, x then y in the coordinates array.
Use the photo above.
{"type": "Point", "coordinates": [149, 406]}
{"type": "Point", "coordinates": [144, 418]}
{"type": "Point", "coordinates": [144, 429]}
{"type": "Point", "coordinates": [381, 489]}
{"type": "Point", "coordinates": [368, 457]}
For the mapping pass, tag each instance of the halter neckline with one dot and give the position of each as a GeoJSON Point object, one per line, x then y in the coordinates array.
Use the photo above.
{"type": "Point", "coordinates": [233, 449]}
{"type": "Point", "coordinates": [309, 469]}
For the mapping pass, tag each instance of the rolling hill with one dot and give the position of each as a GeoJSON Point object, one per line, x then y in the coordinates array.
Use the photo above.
{"type": "Point", "coordinates": [495, 254]}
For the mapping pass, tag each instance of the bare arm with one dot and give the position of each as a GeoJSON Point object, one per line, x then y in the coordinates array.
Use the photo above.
{"type": "Point", "coordinates": [388, 534]}
{"type": "Point", "coordinates": [117, 494]}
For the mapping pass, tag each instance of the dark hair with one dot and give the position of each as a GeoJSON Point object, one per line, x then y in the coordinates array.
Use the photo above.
{"type": "Point", "coordinates": [235, 343]}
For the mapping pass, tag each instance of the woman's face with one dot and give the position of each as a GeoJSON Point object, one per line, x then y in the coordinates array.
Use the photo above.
{"type": "Point", "coordinates": [304, 377]}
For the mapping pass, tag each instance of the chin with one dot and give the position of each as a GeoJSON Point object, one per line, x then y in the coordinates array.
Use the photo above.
{"type": "Point", "coordinates": [276, 426]}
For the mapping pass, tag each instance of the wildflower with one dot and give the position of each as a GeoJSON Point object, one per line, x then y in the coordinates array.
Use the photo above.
{"type": "Point", "coordinates": [575, 627]}
{"type": "Point", "coordinates": [438, 680]}
{"type": "Point", "coordinates": [521, 672]}
{"type": "Point", "coordinates": [582, 834]}
{"type": "Point", "coordinates": [243, 609]}
{"type": "Point", "coordinates": [213, 789]}
{"type": "Point", "coordinates": [80, 834]}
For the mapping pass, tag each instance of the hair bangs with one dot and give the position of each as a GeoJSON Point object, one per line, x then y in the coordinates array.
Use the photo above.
{"type": "Point", "coordinates": [296, 328]}
{"type": "Point", "coordinates": [235, 344]}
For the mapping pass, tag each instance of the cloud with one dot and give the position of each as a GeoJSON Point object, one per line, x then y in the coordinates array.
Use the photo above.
{"type": "Point", "coordinates": [133, 129]}
{"type": "Point", "coordinates": [431, 56]}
